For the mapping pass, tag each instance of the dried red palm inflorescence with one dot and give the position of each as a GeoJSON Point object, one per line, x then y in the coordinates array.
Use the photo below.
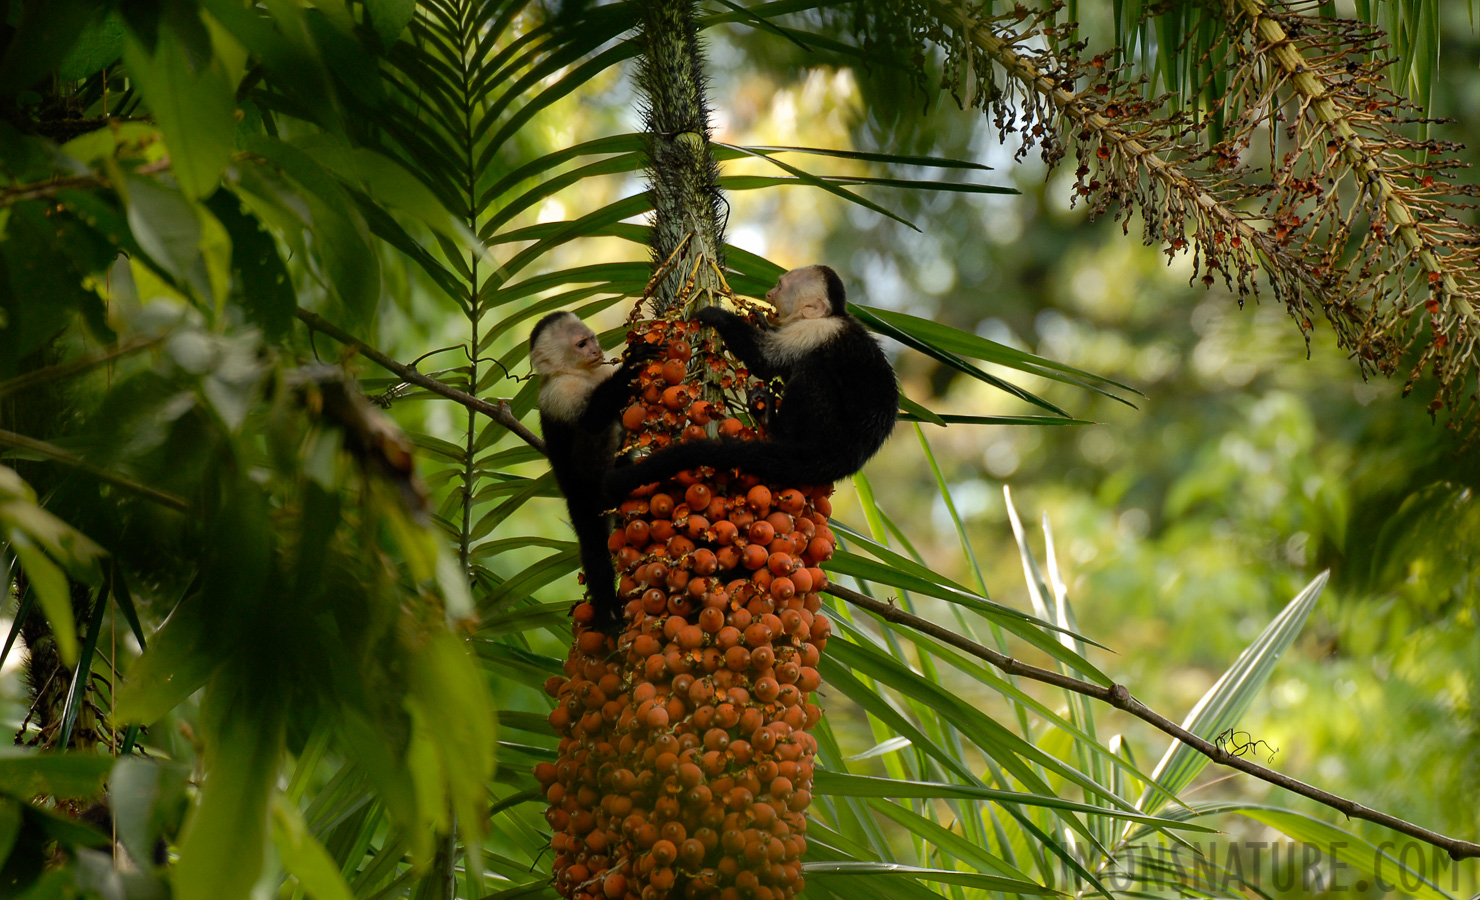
{"type": "Point", "coordinates": [685, 765]}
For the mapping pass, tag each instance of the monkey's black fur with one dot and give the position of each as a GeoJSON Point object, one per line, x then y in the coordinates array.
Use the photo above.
{"type": "Point", "coordinates": [838, 407]}
{"type": "Point", "coordinates": [580, 452]}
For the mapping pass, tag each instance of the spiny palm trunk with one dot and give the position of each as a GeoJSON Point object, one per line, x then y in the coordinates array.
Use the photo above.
{"type": "Point", "coordinates": [682, 174]}
{"type": "Point", "coordinates": [685, 765]}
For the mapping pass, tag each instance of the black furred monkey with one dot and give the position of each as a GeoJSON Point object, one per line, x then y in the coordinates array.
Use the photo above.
{"type": "Point", "coordinates": [840, 398]}
{"type": "Point", "coordinates": [581, 402]}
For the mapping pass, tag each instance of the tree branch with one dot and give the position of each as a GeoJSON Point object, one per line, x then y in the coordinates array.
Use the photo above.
{"type": "Point", "coordinates": [79, 365]}
{"type": "Point", "coordinates": [1118, 696]}
{"type": "Point", "coordinates": [499, 412]}
{"type": "Point", "coordinates": [66, 458]}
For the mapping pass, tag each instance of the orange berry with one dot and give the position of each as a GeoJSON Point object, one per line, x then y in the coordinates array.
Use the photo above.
{"type": "Point", "coordinates": [705, 562]}
{"type": "Point", "coordinates": [759, 498]}
{"type": "Point", "coordinates": [762, 658]}
{"type": "Point", "coordinates": [818, 550]}
{"type": "Point", "coordinates": [698, 496]}
{"type": "Point", "coordinates": [755, 557]}
{"type": "Point", "coordinates": [761, 532]}
{"type": "Point", "coordinates": [711, 620]}
{"type": "Point", "coordinates": [791, 501]}
{"type": "Point", "coordinates": [676, 397]}
{"type": "Point", "coordinates": [802, 578]}
{"type": "Point", "coordinates": [634, 416]}
{"type": "Point", "coordinates": [780, 563]}
{"type": "Point", "coordinates": [674, 371]}
{"type": "Point", "coordinates": [737, 659]}
{"type": "Point", "coordinates": [782, 522]}
{"type": "Point", "coordinates": [731, 427]}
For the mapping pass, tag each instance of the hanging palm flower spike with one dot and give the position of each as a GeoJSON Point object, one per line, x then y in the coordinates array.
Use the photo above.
{"type": "Point", "coordinates": [685, 766]}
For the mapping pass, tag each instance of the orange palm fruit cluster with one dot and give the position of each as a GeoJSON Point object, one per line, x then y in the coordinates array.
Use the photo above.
{"type": "Point", "coordinates": [685, 764]}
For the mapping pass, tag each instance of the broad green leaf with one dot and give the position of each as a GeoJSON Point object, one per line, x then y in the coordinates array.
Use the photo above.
{"type": "Point", "coordinates": [892, 788]}
{"type": "Point", "coordinates": [825, 870]}
{"type": "Point", "coordinates": [948, 843]}
{"type": "Point", "coordinates": [933, 162]}
{"type": "Point", "coordinates": [194, 109]}
{"type": "Point", "coordinates": [266, 288]}
{"type": "Point", "coordinates": [452, 708]}
{"type": "Point", "coordinates": [167, 227]}
{"type": "Point", "coordinates": [1227, 700]}
{"type": "Point", "coordinates": [390, 17]}
{"type": "Point", "coordinates": [45, 35]}
{"type": "Point", "coordinates": [531, 579]}
{"type": "Point", "coordinates": [303, 856]}
{"type": "Point", "coordinates": [223, 847]}
{"type": "Point", "coordinates": [953, 360]}
{"type": "Point", "coordinates": [10, 824]}
{"type": "Point", "coordinates": [1390, 873]}
{"type": "Point", "coordinates": [25, 773]}
{"type": "Point", "coordinates": [50, 584]}
{"type": "Point", "coordinates": [341, 235]}
{"type": "Point", "coordinates": [100, 44]}
{"type": "Point", "coordinates": [148, 799]}
{"type": "Point", "coordinates": [971, 346]}
{"type": "Point", "coordinates": [175, 666]}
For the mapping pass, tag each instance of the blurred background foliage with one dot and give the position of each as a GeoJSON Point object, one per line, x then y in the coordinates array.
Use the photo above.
{"type": "Point", "coordinates": [1183, 524]}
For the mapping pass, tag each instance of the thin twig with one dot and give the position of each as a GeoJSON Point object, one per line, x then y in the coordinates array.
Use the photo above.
{"type": "Point", "coordinates": [66, 458]}
{"type": "Point", "coordinates": [79, 365]}
{"type": "Point", "coordinates": [1118, 696]}
{"type": "Point", "coordinates": [51, 186]}
{"type": "Point", "coordinates": [499, 411]}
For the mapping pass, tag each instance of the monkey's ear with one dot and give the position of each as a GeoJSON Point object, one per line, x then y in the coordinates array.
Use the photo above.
{"type": "Point", "coordinates": [815, 306]}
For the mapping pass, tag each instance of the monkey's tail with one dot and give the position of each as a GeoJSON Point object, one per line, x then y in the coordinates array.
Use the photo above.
{"type": "Point", "coordinates": [592, 530]}
{"type": "Point", "coordinates": [770, 460]}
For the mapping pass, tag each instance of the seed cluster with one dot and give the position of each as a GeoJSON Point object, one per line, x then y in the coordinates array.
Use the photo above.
{"type": "Point", "coordinates": [685, 766]}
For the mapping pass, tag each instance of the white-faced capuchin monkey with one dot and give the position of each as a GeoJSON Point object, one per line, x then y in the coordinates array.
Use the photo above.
{"type": "Point", "coordinates": [840, 398]}
{"type": "Point", "coordinates": [581, 402]}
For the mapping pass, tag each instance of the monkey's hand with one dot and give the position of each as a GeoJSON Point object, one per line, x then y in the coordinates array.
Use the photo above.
{"type": "Point", "coordinates": [762, 405]}
{"type": "Point", "coordinates": [641, 352]}
{"type": "Point", "coordinates": [712, 316]}
{"type": "Point", "coordinates": [636, 356]}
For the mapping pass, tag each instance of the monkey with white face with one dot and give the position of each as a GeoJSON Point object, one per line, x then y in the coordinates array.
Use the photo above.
{"type": "Point", "coordinates": [581, 402]}
{"type": "Point", "coordinates": [840, 398]}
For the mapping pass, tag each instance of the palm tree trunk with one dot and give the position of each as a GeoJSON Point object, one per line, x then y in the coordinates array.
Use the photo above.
{"type": "Point", "coordinates": [682, 173]}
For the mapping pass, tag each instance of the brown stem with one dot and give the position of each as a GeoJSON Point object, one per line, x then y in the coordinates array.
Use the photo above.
{"type": "Point", "coordinates": [1085, 116]}
{"type": "Point", "coordinates": [51, 186]}
{"type": "Point", "coordinates": [499, 412]}
{"type": "Point", "coordinates": [1382, 187]}
{"type": "Point", "coordinates": [1118, 696]}
{"type": "Point", "coordinates": [77, 366]}
{"type": "Point", "coordinates": [57, 454]}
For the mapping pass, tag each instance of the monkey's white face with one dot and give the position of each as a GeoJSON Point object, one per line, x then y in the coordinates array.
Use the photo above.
{"type": "Point", "coordinates": [583, 347]}
{"type": "Point", "coordinates": [566, 347]}
{"type": "Point", "coordinates": [799, 294]}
